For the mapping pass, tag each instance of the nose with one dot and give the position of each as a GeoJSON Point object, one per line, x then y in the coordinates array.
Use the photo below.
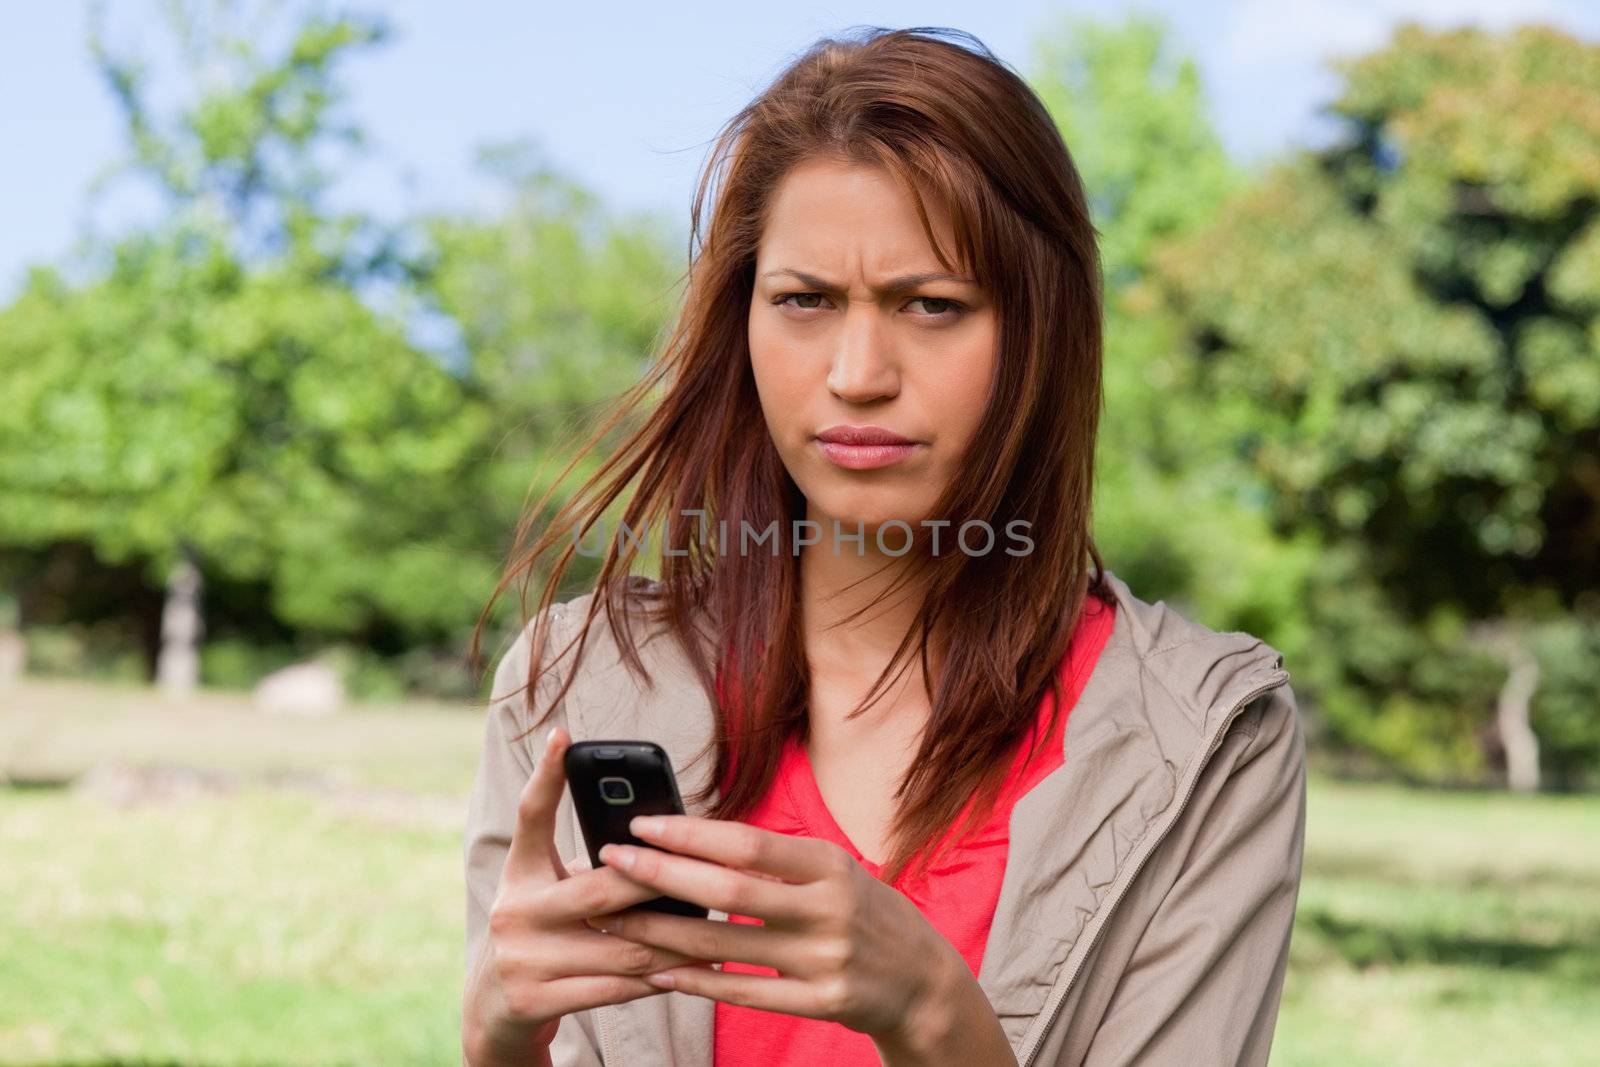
{"type": "Point", "coordinates": [863, 368]}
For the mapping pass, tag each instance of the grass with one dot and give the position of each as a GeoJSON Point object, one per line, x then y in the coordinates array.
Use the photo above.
{"type": "Point", "coordinates": [317, 921]}
{"type": "Point", "coordinates": [253, 929]}
{"type": "Point", "coordinates": [1438, 927]}
{"type": "Point", "coordinates": [54, 730]}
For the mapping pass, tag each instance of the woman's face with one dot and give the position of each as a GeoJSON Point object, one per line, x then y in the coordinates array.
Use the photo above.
{"type": "Point", "coordinates": [842, 335]}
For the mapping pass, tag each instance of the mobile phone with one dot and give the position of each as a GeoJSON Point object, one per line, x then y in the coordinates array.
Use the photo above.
{"type": "Point", "coordinates": [610, 783]}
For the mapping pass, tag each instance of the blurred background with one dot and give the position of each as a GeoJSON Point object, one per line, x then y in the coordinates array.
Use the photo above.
{"type": "Point", "coordinates": [298, 304]}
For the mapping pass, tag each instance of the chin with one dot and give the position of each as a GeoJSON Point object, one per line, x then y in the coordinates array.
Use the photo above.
{"type": "Point", "coordinates": [870, 511]}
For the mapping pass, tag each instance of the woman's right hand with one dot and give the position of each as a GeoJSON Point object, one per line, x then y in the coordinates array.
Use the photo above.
{"type": "Point", "coordinates": [541, 960]}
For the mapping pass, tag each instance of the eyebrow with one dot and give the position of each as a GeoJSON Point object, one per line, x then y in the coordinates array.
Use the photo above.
{"type": "Point", "coordinates": [903, 284]}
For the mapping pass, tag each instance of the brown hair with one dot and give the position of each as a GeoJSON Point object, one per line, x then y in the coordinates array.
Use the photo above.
{"type": "Point", "coordinates": [956, 123]}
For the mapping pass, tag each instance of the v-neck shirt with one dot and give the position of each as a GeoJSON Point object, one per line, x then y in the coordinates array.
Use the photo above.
{"type": "Point", "coordinates": [957, 895]}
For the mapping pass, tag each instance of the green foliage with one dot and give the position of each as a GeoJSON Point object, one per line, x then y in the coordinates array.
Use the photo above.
{"type": "Point", "coordinates": [558, 305]}
{"type": "Point", "coordinates": [246, 152]}
{"type": "Point", "coordinates": [1394, 688]}
{"type": "Point", "coordinates": [365, 674]}
{"type": "Point", "coordinates": [218, 385]}
{"type": "Point", "coordinates": [105, 650]}
{"type": "Point", "coordinates": [1133, 116]}
{"type": "Point", "coordinates": [238, 663]}
{"type": "Point", "coordinates": [1366, 381]}
{"type": "Point", "coordinates": [234, 663]}
{"type": "Point", "coordinates": [1568, 652]}
{"type": "Point", "coordinates": [271, 422]}
{"type": "Point", "coordinates": [1399, 337]}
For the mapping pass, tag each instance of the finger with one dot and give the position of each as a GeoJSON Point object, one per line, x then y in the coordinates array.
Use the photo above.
{"type": "Point", "coordinates": [791, 996]}
{"type": "Point", "coordinates": [577, 993]}
{"type": "Point", "coordinates": [712, 885]}
{"type": "Point", "coordinates": [532, 853]}
{"type": "Point", "coordinates": [708, 939]}
{"type": "Point", "coordinates": [583, 895]}
{"type": "Point", "coordinates": [789, 857]}
{"type": "Point", "coordinates": [567, 995]}
{"type": "Point", "coordinates": [576, 950]}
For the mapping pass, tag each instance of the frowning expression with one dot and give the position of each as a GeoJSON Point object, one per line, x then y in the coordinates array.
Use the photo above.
{"type": "Point", "coordinates": [855, 324]}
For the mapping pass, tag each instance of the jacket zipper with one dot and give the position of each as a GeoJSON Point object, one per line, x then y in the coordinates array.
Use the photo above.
{"type": "Point", "coordinates": [1059, 997]}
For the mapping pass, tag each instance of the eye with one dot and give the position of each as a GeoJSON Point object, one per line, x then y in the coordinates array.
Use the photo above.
{"type": "Point", "coordinates": [784, 297]}
{"type": "Point", "coordinates": [945, 304]}
{"type": "Point", "coordinates": [940, 307]}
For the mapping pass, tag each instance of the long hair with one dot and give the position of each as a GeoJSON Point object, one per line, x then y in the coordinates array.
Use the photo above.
{"type": "Point", "coordinates": [948, 120]}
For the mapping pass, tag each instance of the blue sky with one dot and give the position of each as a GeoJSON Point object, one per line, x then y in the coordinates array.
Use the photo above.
{"type": "Point", "coordinates": [625, 97]}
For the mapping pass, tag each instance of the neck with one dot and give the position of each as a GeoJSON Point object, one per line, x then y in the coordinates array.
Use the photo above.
{"type": "Point", "coordinates": [847, 655]}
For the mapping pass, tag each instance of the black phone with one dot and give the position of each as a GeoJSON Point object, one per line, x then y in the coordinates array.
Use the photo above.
{"type": "Point", "coordinates": [611, 782]}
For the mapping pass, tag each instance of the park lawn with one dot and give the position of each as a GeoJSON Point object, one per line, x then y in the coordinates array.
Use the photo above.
{"type": "Point", "coordinates": [1444, 927]}
{"type": "Point", "coordinates": [317, 921]}
{"type": "Point", "coordinates": [54, 729]}
{"type": "Point", "coordinates": [306, 911]}
{"type": "Point", "coordinates": [257, 928]}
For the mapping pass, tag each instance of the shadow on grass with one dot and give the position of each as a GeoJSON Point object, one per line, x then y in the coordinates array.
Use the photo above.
{"type": "Point", "coordinates": [28, 783]}
{"type": "Point", "coordinates": [1387, 869]}
{"type": "Point", "coordinates": [1365, 944]}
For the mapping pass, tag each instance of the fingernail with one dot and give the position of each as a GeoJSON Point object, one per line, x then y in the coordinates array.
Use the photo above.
{"type": "Point", "coordinates": [620, 855]}
{"type": "Point", "coordinates": [661, 980]}
{"type": "Point", "coordinates": [645, 825]}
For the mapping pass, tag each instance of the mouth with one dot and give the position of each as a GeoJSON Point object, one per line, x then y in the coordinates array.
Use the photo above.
{"type": "Point", "coordinates": [865, 447]}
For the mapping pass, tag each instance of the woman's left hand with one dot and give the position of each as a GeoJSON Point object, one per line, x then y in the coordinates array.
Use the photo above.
{"type": "Point", "coordinates": [846, 946]}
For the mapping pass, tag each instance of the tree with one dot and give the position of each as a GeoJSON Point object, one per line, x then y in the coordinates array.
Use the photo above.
{"type": "Point", "coordinates": [557, 305]}
{"type": "Point", "coordinates": [1401, 335]}
{"type": "Point", "coordinates": [219, 399]}
{"type": "Point", "coordinates": [1133, 114]}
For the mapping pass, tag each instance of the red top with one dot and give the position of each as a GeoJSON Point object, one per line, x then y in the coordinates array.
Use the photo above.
{"type": "Point", "coordinates": [957, 897]}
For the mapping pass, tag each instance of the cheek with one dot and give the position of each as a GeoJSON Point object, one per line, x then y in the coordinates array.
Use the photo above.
{"type": "Point", "coordinates": [957, 391]}
{"type": "Point", "coordinates": [780, 378]}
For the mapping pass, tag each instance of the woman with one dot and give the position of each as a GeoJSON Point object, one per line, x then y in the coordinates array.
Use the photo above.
{"type": "Point", "coordinates": [952, 798]}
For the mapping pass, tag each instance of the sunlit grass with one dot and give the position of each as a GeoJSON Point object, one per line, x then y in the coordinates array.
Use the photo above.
{"type": "Point", "coordinates": [52, 729]}
{"type": "Point", "coordinates": [1433, 928]}
{"type": "Point", "coordinates": [260, 927]}
{"type": "Point", "coordinates": [320, 923]}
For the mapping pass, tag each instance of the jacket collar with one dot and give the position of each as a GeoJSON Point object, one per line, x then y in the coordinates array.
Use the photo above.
{"type": "Point", "coordinates": [1161, 693]}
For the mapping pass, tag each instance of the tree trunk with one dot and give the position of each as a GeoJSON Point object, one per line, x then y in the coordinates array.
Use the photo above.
{"type": "Point", "coordinates": [1512, 718]}
{"type": "Point", "coordinates": [178, 666]}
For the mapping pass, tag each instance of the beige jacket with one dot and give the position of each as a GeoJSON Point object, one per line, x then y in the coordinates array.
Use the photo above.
{"type": "Point", "coordinates": [1150, 885]}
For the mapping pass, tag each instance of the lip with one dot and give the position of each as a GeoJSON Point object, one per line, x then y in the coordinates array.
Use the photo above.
{"type": "Point", "coordinates": [864, 447]}
{"type": "Point", "coordinates": [862, 435]}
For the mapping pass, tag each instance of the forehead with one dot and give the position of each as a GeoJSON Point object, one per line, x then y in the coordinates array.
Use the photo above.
{"type": "Point", "coordinates": [833, 215]}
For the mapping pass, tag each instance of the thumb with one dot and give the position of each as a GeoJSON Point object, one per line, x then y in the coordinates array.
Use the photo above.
{"type": "Point", "coordinates": [532, 852]}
